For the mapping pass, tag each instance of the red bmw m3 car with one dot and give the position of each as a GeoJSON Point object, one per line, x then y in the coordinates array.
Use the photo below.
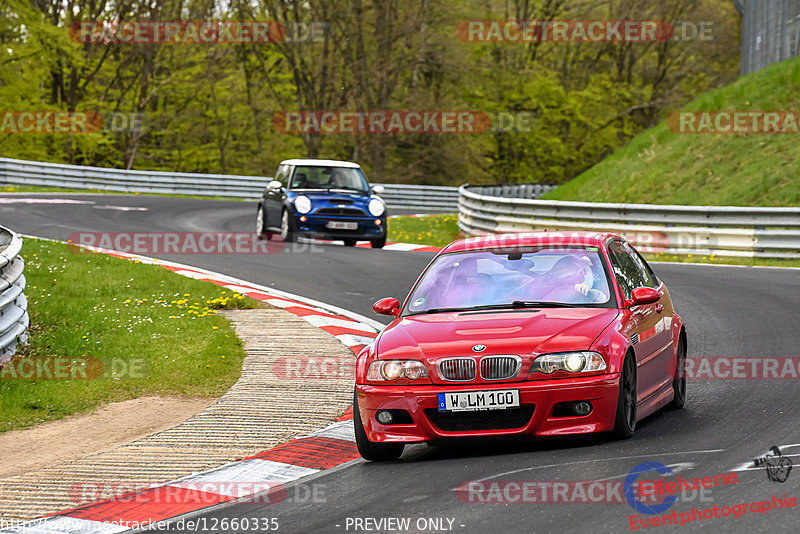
{"type": "Point", "coordinates": [533, 334]}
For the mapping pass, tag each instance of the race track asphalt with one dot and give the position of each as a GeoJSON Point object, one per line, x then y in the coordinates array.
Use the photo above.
{"type": "Point", "coordinates": [729, 311]}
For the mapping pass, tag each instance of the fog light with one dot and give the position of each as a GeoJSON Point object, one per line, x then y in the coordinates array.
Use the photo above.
{"type": "Point", "coordinates": [582, 408]}
{"type": "Point", "coordinates": [378, 222]}
{"type": "Point", "coordinates": [303, 218]}
{"type": "Point", "coordinates": [384, 417]}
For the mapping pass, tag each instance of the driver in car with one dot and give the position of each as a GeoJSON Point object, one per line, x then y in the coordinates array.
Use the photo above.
{"type": "Point", "coordinates": [571, 279]}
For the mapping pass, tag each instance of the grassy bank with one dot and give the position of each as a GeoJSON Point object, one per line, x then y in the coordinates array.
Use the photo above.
{"type": "Point", "coordinates": [660, 166]}
{"type": "Point", "coordinates": [120, 330]}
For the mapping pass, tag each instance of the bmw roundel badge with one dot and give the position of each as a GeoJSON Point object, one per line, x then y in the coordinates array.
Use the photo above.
{"type": "Point", "coordinates": [479, 348]}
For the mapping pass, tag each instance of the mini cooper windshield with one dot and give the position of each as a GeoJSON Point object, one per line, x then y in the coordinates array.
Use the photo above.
{"type": "Point", "coordinates": [323, 177]}
{"type": "Point", "coordinates": [494, 279]}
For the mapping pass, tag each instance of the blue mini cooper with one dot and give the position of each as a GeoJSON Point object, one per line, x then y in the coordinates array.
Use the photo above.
{"type": "Point", "coordinates": [323, 199]}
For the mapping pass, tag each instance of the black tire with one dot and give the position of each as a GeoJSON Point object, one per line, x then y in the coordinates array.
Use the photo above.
{"type": "Point", "coordinates": [378, 243]}
{"type": "Point", "coordinates": [260, 230]}
{"type": "Point", "coordinates": [625, 421]}
{"type": "Point", "coordinates": [679, 381]}
{"type": "Point", "coordinates": [373, 452]}
{"type": "Point", "coordinates": [349, 242]}
{"type": "Point", "coordinates": [287, 227]}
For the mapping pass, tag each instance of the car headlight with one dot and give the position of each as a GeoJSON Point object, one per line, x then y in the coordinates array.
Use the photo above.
{"type": "Point", "coordinates": [302, 204]}
{"type": "Point", "coordinates": [376, 207]}
{"type": "Point", "coordinates": [383, 370]}
{"type": "Point", "coordinates": [571, 362]}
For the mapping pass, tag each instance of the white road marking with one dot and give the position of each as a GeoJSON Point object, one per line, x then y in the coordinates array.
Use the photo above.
{"type": "Point", "coordinates": [675, 468]}
{"type": "Point", "coordinates": [247, 477]}
{"type": "Point", "coordinates": [340, 430]}
{"type": "Point", "coordinates": [708, 451]}
{"type": "Point", "coordinates": [13, 200]}
{"type": "Point", "coordinates": [350, 340]}
{"type": "Point", "coordinates": [121, 208]}
{"type": "Point", "coordinates": [321, 320]}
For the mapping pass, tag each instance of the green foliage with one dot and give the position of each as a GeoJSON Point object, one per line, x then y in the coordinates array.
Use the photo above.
{"type": "Point", "coordinates": [209, 107]}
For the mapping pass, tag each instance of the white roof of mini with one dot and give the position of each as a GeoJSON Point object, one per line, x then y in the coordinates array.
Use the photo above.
{"type": "Point", "coordinates": [321, 163]}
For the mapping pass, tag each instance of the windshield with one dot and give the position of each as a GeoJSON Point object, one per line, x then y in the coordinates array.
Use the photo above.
{"type": "Point", "coordinates": [321, 177]}
{"type": "Point", "coordinates": [573, 276]}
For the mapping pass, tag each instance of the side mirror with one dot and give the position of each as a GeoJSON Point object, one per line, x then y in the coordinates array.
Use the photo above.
{"type": "Point", "coordinates": [643, 295]}
{"type": "Point", "coordinates": [274, 185]}
{"type": "Point", "coordinates": [378, 189]}
{"type": "Point", "coordinates": [387, 306]}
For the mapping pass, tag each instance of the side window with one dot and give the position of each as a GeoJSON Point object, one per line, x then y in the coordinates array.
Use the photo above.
{"type": "Point", "coordinates": [627, 272]}
{"type": "Point", "coordinates": [645, 272]}
{"type": "Point", "coordinates": [283, 175]}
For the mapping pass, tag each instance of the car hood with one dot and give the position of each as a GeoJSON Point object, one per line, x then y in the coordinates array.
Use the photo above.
{"type": "Point", "coordinates": [333, 196]}
{"type": "Point", "coordinates": [505, 332]}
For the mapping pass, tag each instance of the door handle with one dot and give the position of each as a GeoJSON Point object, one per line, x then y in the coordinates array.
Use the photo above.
{"type": "Point", "coordinates": [659, 308]}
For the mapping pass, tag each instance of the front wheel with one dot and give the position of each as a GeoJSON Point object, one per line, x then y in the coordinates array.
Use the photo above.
{"type": "Point", "coordinates": [374, 452]}
{"type": "Point", "coordinates": [378, 243]}
{"type": "Point", "coordinates": [260, 230]}
{"type": "Point", "coordinates": [349, 242]}
{"type": "Point", "coordinates": [679, 380]}
{"type": "Point", "coordinates": [287, 228]}
{"type": "Point", "coordinates": [625, 422]}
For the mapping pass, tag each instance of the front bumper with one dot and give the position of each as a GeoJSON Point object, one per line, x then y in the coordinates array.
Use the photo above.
{"type": "Point", "coordinates": [600, 390]}
{"type": "Point", "coordinates": [316, 226]}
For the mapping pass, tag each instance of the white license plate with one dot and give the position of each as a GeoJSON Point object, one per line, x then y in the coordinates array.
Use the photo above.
{"type": "Point", "coordinates": [336, 225]}
{"type": "Point", "coordinates": [466, 401]}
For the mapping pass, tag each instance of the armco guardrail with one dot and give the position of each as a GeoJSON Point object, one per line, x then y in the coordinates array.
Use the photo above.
{"type": "Point", "coordinates": [719, 230]}
{"type": "Point", "coordinates": [20, 172]}
{"type": "Point", "coordinates": [13, 304]}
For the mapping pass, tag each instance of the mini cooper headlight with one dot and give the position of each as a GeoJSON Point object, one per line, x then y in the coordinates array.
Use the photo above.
{"type": "Point", "coordinates": [382, 370]}
{"type": "Point", "coordinates": [376, 207]}
{"type": "Point", "coordinates": [571, 362]}
{"type": "Point", "coordinates": [302, 204]}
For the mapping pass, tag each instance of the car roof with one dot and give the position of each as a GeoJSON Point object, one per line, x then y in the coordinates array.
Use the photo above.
{"type": "Point", "coordinates": [504, 241]}
{"type": "Point", "coordinates": [321, 163]}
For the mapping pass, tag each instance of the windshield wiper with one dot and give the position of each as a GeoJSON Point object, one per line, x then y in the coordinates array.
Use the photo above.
{"type": "Point", "coordinates": [527, 304]}
{"type": "Point", "coordinates": [504, 306]}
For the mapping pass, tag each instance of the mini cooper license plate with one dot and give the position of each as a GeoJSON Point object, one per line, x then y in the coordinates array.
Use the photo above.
{"type": "Point", "coordinates": [466, 401]}
{"type": "Point", "coordinates": [337, 225]}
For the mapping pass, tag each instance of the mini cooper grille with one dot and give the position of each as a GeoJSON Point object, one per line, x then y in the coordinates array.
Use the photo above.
{"type": "Point", "coordinates": [500, 367]}
{"type": "Point", "coordinates": [483, 420]}
{"type": "Point", "coordinates": [457, 369]}
{"type": "Point", "coordinates": [347, 212]}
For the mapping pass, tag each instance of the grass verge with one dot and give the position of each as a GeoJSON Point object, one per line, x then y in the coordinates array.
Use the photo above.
{"type": "Point", "coordinates": [114, 330]}
{"type": "Point", "coordinates": [431, 230]}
